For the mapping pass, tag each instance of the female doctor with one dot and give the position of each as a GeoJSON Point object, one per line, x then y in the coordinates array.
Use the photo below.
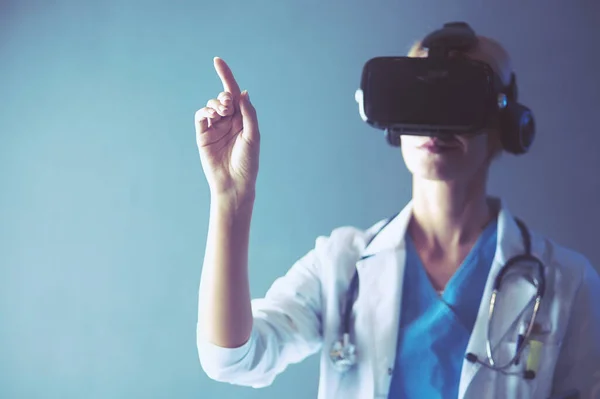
{"type": "Point", "coordinates": [419, 325]}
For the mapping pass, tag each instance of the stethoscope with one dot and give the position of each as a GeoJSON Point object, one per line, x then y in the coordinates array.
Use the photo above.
{"type": "Point", "coordinates": [343, 352]}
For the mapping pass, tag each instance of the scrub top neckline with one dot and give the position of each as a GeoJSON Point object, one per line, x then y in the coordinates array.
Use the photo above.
{"type": "Point", "coordinates": [479, 245]}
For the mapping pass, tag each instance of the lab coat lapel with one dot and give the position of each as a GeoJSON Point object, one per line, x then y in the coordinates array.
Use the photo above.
{"type": "Point", "coordinates": [514, 296]}
{"type": "Point", "coordinates": [381, 277]}
{"type": "Point", "coordinates": [381, 272]}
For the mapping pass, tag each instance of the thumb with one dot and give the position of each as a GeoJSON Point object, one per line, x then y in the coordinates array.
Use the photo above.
{"type": "Point", "coordinates": [249, 119]}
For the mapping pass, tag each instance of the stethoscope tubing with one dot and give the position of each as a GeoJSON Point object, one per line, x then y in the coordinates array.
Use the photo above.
{"type": "Point", "coordinates": [540, 283]}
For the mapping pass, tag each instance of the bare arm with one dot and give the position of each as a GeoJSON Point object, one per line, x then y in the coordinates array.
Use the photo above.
{"type": "Point", "coordinates": [228, 141]}
{"type": "Point", "coordinates": [242, 341]}
{"type": "Point", "coordinates": [224, 303]}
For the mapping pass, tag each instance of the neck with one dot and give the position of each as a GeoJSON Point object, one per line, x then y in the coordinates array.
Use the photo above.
{"type": "Point", "coordinates": [448, 215]}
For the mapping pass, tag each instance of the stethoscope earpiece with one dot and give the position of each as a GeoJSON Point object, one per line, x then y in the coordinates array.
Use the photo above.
{"type": "Point", "coordinates": [472, 358]}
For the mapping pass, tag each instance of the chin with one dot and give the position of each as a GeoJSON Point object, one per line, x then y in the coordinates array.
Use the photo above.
{"type": "Point", "coordinates": [437, 174]}
{"type": "Point", "coordinates": [435, 168]}
{"type": "Point", "coordinates": [458, 165]}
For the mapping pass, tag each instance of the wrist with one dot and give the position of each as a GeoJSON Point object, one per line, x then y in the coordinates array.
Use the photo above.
{"type": "Point", "coordinates": [233, 204]}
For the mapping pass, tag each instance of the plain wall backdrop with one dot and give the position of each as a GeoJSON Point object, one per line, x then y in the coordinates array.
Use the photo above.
{"type": "Point", "coordinates": [104, 205]}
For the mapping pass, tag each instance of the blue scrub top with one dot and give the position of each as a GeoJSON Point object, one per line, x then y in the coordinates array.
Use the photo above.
{"type": "Point", "coordinates": [435, 329]}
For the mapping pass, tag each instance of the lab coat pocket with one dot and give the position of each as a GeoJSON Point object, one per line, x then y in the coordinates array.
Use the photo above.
{"type": "Point", "coordinates": [510, 382]}
{"type": "Point", "coordinates": [531, 377]}
{"type": "Point", "coordinates": [541, 356]}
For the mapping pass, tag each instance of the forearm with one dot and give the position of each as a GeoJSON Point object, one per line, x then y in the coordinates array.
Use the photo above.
{"type": "Point", "coordinates": [224, 302]}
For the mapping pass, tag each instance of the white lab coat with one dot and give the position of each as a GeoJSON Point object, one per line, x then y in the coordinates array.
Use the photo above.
{"type": "Point", "coordinates": [301, 314]}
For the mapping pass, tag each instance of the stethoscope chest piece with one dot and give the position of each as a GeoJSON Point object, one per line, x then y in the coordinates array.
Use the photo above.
{"type": "Point", "coordinates": [343, 354]}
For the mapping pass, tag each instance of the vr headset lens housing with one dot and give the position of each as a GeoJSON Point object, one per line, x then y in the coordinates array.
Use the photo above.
{"type": "Point", "coordinates": [443, 95]}
{"type": "Point", "coordinates": [429, 95]}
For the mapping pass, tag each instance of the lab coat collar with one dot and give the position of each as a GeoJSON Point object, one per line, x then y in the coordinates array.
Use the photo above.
{"type": "Point", "coordinates": [381, 275]}
{"type": "Point", "coordinates": [392, 235]}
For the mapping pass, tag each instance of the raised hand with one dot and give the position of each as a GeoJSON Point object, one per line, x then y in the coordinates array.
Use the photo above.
{"type": "Point", "coordinates": [228, 140]}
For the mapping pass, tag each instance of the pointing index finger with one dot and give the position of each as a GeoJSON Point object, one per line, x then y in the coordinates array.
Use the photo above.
{"type": "Point", "coordinates": [229, 83]}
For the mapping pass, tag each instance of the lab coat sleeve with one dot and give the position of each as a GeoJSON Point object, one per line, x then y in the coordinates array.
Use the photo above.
{"type": "Point", "coordinates": [286, 329]}
{"type": "Point", "coordinates": [578, 365]}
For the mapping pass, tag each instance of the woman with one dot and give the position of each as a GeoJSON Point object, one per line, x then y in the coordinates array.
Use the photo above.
{"type": "Point", "coordinates": [419, 322]}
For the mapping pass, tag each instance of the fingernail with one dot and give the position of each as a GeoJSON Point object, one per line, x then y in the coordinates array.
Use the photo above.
{"type": "Point", "coordinates": [247, 95]}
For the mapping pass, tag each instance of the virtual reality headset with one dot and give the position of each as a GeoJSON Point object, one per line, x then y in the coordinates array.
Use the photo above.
{"type": "Point", "coordinates": [443, 95]}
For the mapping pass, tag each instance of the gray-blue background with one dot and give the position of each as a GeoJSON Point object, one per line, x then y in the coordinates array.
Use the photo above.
{"type": "Point", "coordinates": [103, 204]}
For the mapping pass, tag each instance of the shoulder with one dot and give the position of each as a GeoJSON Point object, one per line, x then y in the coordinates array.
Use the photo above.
{"type": "Point", "coordinates": [568, 264]}
{"type": "Point", "coordinates": [345, 241]}
{"type": "Point", "coordinates": [571, 275]}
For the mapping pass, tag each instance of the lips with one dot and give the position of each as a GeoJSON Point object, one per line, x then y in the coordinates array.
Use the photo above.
{"type": "Point", "coordinates": [437, 145]}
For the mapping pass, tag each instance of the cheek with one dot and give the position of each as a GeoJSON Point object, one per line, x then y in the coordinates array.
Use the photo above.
{"type": "Point", "coordinates": [409, 141]}
{"type": "Point", "coordinates": [478, 151]}
{"type": "Point", "coordinates": [409, 152]}
{"type": "Point", "coordinates": [494, 142]}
